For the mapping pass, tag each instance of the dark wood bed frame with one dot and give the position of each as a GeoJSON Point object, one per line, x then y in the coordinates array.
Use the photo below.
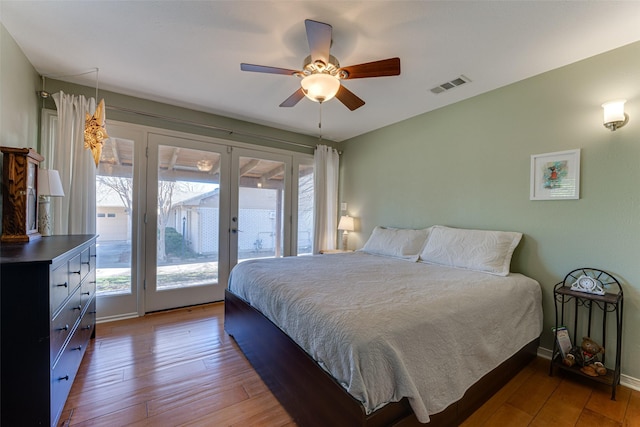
{"type": "Point", "coordinates": [314, 399]}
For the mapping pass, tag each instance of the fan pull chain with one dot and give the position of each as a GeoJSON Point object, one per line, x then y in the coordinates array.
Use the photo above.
{"type": "Point", "coordinates": [320, 121]}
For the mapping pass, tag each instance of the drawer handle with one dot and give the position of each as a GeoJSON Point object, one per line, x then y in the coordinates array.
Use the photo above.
{"type": "Point", "coordinates": [75, 272]}
{"type": "Point", "coordinates": [64, 328]}
{"type": "Point", "coordinates": [87, 262]}
{"type": "Point", "coordinates": [65, 378]}
{"type": "Point", "coordinates": [63, 285]}
{"type": "Point", "coordinates": [79, 307]}
{"type": "Point", "coordinates": [93, 282]}
{"type": "Point", "coordinates": [93, 312]}
{"type": "Point", "coordinates": [87, 327]}
{"type": "Point", "coordinates": [77, 348]}
{"type": "Point", "coordinates": [86, 293]}
{"type": "Point", "coordinates": [93, 256]}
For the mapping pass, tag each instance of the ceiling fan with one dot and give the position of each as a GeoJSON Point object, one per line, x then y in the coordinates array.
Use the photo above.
{"type": "Point", "coordinates": [321, 73]}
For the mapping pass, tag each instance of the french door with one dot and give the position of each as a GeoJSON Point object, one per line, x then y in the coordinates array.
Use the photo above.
{"type": "Point", "coordinates": [260, 203]}
{"type": "Point", "coordinates": [187, 257]}
{"type": "Point", "coordinates": [118, 205]}
{"type": "Point", "coordinates": [210, 206]}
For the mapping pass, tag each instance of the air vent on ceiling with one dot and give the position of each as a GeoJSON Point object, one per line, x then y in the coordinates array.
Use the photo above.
{"type": "Point", "coordinates": [459, 81]}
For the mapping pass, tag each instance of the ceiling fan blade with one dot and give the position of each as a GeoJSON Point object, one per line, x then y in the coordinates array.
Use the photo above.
{"type": "Point", "coordinates": [349, 99]}
{"type": "Point", "coordinates": [293, 99]}
{"type": "Point", "coordinates": [265, 69]}
{"type": "Point", "coordinates": [319, 38]}
{"type": "Point", "coordinates": [384, 67]}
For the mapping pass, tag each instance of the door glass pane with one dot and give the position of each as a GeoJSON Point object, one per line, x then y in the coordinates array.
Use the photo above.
{"type": "Point", "coordinates": [305, 209]}
{"type": "Point", "coordinates": [114, 196]}
{"type": "Point", "coordinates": [260, 208]}
{"type": "Point", "coordinates": [188, 217]}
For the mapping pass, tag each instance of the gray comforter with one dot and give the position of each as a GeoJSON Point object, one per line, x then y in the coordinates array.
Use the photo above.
{"type": "Point", "coordinates": [388, 328]}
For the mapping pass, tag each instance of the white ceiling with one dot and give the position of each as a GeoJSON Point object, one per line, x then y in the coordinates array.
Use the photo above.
{"type": "Point", "coordinates": [188, 53]}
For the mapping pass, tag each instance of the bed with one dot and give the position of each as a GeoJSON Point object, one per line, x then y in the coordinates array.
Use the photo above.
{"type": "Point", "coordinates": [401, 333]}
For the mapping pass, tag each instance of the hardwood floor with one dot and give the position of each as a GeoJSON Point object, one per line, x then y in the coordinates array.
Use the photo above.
{"type": "Point", "coordinates": [181, 368]}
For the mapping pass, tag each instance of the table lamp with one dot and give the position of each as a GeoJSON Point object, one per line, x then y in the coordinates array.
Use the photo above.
{"type": "Point", "coordinates": [346, 225]}
{"type": "Point", "coordinates": [49, 185]}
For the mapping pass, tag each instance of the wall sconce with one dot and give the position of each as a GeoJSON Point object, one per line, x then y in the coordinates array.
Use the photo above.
{"type": "Point", "coordinates": [614, 115]}
{"type": "Point", "coordinates": [346, 225]}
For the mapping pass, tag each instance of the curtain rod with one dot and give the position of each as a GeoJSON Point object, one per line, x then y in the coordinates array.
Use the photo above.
{"type": "Point", "coordinates": [204, 125]}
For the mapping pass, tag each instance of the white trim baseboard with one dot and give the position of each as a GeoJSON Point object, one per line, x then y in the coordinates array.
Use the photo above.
{"type": "Point", "coordinates": [545, 353]}
{"type": "Point", "coordinates": [116, 317]}
{"type": "Point", "coordinates": [631, 382]}
{"type": "Point", "coordinates": [625, 380]}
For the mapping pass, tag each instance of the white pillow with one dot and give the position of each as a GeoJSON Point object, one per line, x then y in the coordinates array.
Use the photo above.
{"type": "Point", "coordinates": [478, 250]}
{"type": "Point", "coordinates": [396, 242]}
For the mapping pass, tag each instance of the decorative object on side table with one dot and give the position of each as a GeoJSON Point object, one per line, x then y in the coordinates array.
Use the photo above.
{"type": "Point", "coordinates": [588, 284]}
{"type": "Point", "coordinates": [591, 365]}
{"type": "Point", "coordinates": [564, 343]}
{"type": "Point", "coordinates": [19, 194]}
{"type": "Point", "coordinates": [49, 185]}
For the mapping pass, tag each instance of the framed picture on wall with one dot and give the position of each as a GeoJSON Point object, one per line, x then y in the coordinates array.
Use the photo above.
{"type": "Point", "coordinates": [555, 176]}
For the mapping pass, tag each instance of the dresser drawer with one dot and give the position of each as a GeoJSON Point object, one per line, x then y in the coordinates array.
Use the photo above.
{"type": "Point", "coordinates": [93, 255]}
{"type": "Point", "coordinates": [63, 323]}
{"type": "Point", "coordinates": [59, 283]}
{"type": "Point", "coordinates": [88, 322]}
{"type": "Point", "coordinates": [88, 288]}
{"type": "Point", "coordinates": [75, 272]}
{"type": "Point", "coordinates": [64, 372]}
{"type": "Point", "coordinates": [85, 263]}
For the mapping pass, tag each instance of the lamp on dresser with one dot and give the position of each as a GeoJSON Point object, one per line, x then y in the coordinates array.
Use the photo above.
{"type": "Point", "coordinates": [49, 185]}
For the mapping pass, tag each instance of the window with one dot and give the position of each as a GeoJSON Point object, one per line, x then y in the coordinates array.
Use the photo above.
{"type": "Point", "coordinates": [305, 209]}
{"type": "Point", "coordinates": [114, 194]}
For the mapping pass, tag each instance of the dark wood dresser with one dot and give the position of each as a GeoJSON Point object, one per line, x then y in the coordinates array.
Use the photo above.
{"type": "Point", "coordinates": [47, 302]}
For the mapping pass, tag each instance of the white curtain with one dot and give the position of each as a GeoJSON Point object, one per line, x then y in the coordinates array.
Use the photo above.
{"type": "Point", "coordinates": [75, 213]}
{"type": "Point", "coordinates": [326, 198]}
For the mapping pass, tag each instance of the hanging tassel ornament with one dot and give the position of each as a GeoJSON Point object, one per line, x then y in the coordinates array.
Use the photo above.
{"type": "Point", "coordinates": [95, 132]}
{"type": "Point", "coordinates": [94, 128]}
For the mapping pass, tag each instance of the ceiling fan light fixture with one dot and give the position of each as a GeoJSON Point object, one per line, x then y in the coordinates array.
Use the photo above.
{"type": "Point", "coordinates": [320, 87]}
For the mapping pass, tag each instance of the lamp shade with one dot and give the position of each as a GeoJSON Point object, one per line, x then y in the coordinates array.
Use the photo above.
{"type": "Point", "coordinates": [320, 87]}
{"type": "Point", "coordinates": [346, 223]}
{"type": "Point", "coordinates": [614, 111]}
{"type": "Point", "coordinates": [49, 183]}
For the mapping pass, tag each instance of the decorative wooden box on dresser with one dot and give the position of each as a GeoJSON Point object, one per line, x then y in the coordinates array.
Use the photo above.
{"type": "Point", "coordinates": [47, 302]}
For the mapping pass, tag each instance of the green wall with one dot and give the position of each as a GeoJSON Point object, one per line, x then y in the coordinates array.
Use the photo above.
{"type": "Point", "coordinates": [19, 111]}
{"type": "Point", "coordinates": [468, 165]}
